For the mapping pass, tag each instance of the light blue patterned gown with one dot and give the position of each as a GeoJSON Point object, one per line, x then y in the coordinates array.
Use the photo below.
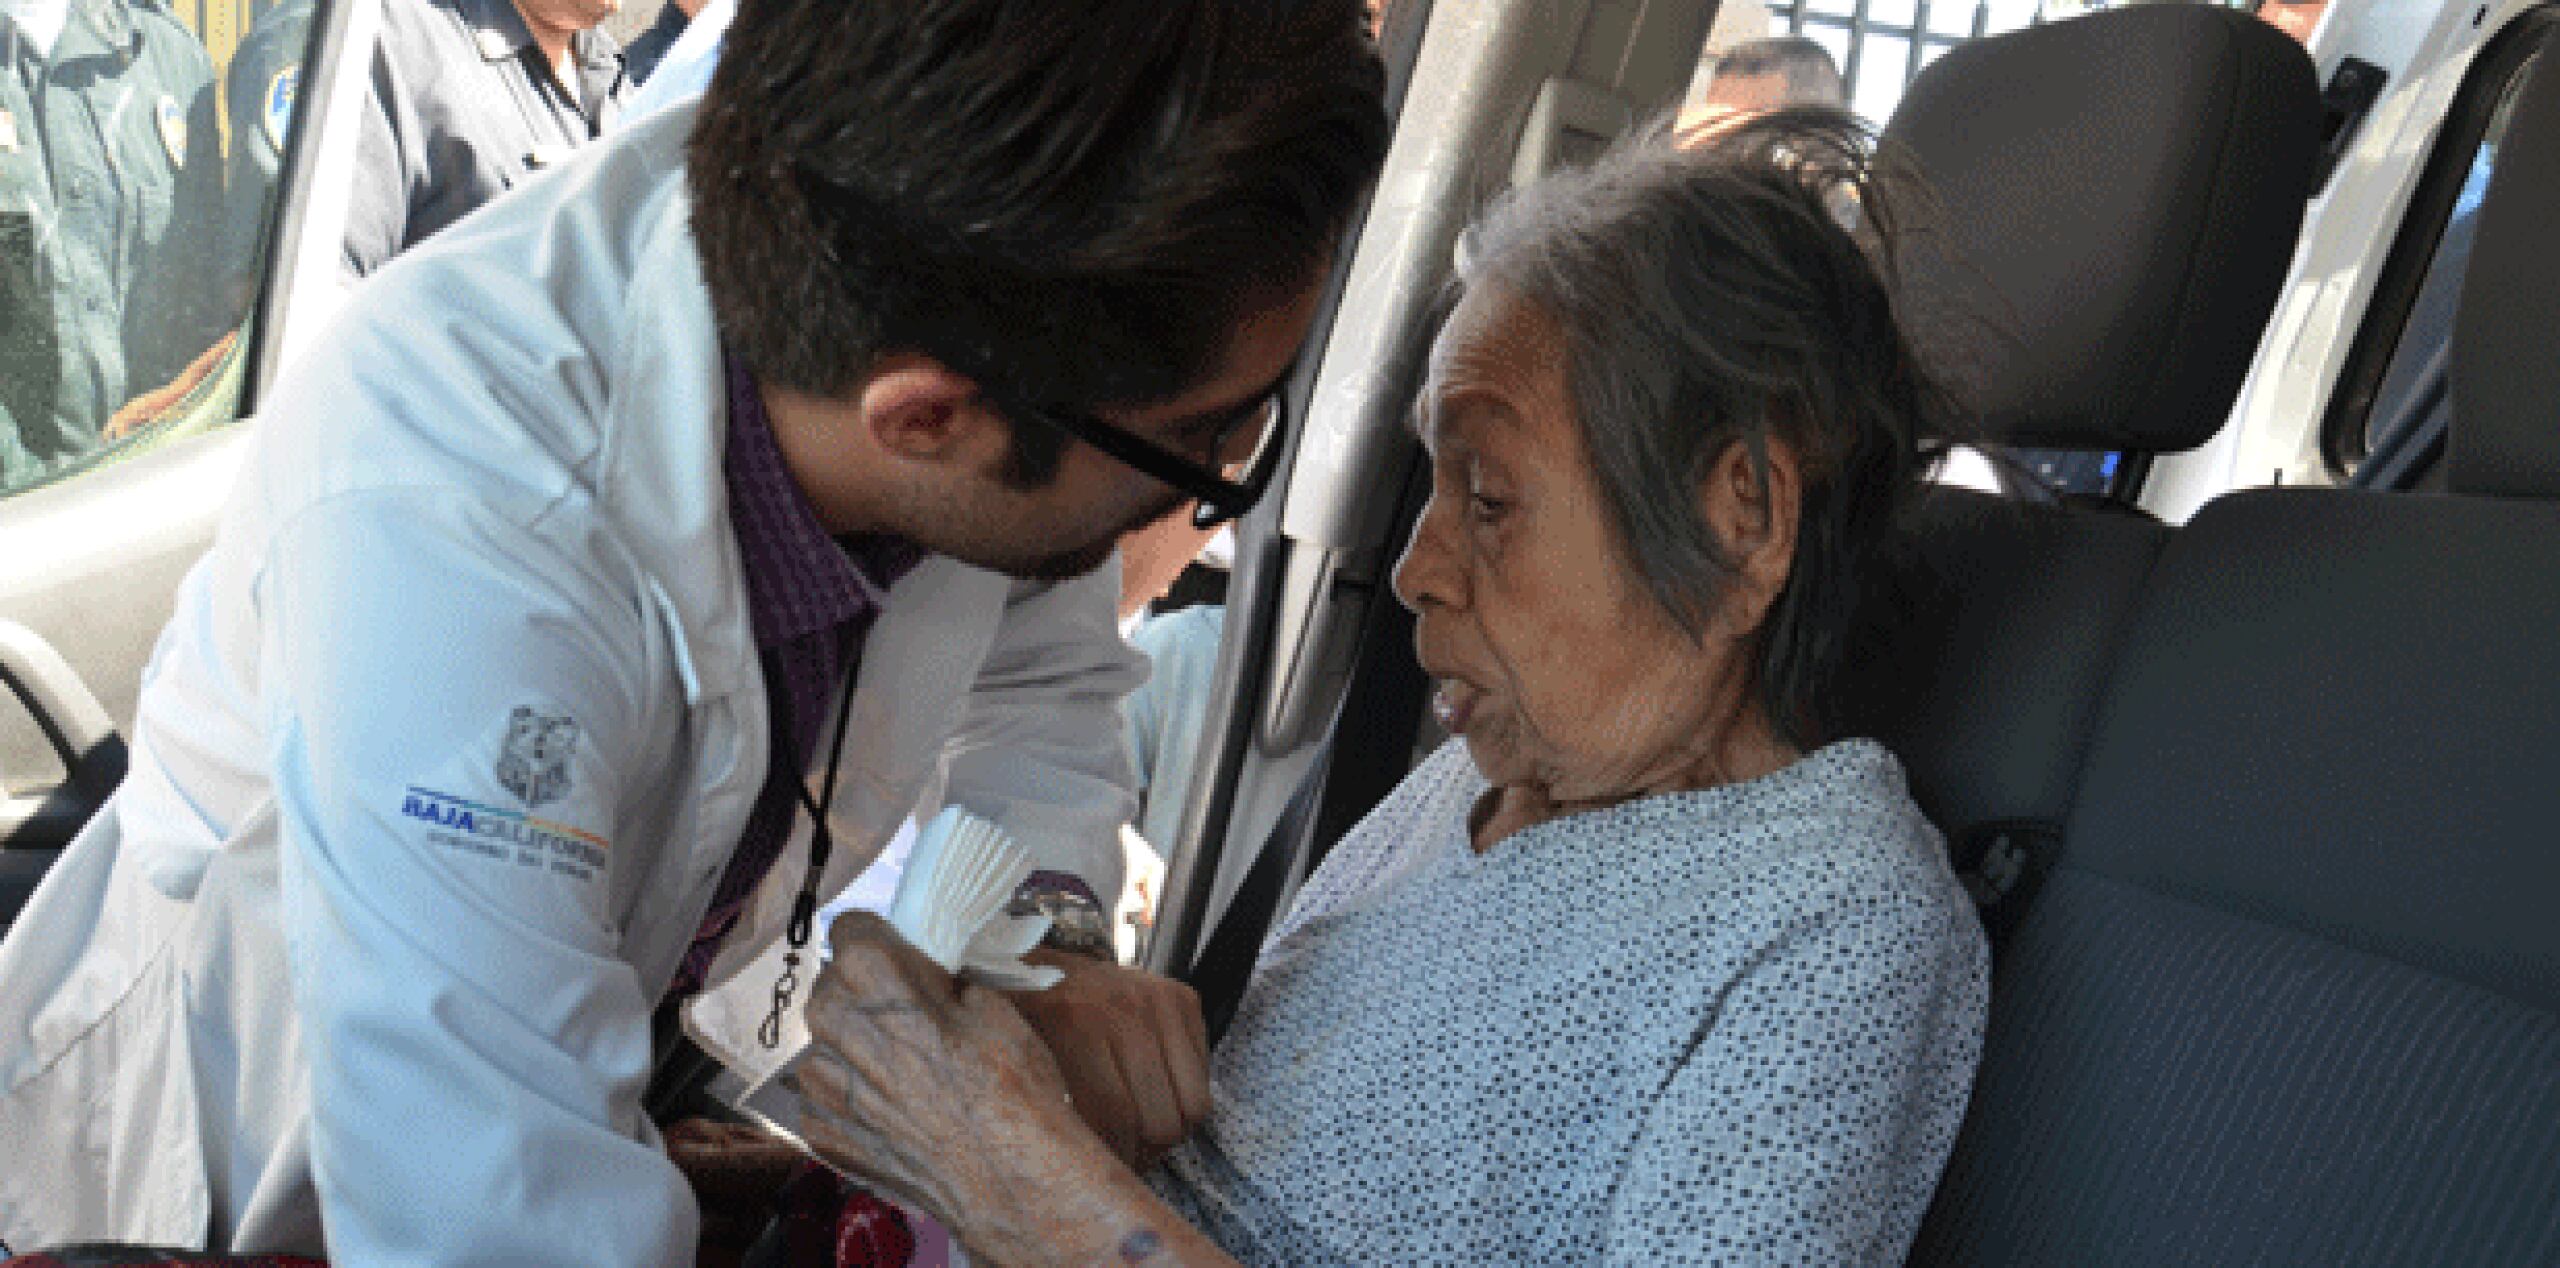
{"type": "Point", "coordinates": [1730, 1026]}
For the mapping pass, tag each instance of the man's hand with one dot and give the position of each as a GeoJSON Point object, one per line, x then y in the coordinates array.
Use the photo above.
{"type": "Point", "coordinates": [1133, 1050]}
{"type": "Point", "coordinates": [736, 1171]}
{"type": "Point", "coordinates": [160, 403]}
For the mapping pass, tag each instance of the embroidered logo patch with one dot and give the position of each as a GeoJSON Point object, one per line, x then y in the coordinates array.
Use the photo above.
{"type": "Point", "coordinates": [499, 833]}
{"type": "Point", "coordinates": [173, 129]}
{"type": "Point", "coordinates": [534, 763]}
{"type": "Point", "coordinates": [279, 112]}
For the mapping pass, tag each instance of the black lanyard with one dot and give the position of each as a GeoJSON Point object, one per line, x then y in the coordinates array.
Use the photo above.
{"type": "Point", "coordinates": [804, 909]}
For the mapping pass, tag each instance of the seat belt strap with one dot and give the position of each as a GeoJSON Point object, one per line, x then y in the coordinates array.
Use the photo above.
{"type": "Point", "coordinates": [1226, 963]}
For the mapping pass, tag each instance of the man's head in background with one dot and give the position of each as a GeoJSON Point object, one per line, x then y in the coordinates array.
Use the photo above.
{"type": "Point", "coordinates": [1762, 75]}
{"type": "Point", "coordinates": [1153, 558]}
{"type": "Point", "coordinates": [2298, 20]}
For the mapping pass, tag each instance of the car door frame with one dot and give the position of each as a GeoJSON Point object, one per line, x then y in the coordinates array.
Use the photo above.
{"type": "Point", "coordinates": [1485, 94]}
{"type": "Point", "coordinates": [98, 557]}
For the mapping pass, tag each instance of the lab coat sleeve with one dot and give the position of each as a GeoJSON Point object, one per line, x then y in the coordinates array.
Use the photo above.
{"type": "Point", "coordinates": [1039, 748]}
{"type": "Point", "coordinates": [456, 709]}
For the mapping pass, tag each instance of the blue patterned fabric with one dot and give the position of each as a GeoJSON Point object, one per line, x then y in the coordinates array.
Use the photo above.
{"type": "Point", "coordinates": [1735, 1025]}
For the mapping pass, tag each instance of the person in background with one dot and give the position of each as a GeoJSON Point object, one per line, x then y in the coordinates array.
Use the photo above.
{"type": "Point", "coordinates": [470, 98]}
{"type": "Point", "coordinates": [2297, 18]}
{"type": "Point", "coordinates": [640, 57]}
{"type": "Point", "coordinates": [1762, 75]}
{"type": "Point", "coordinates": [684, 69]}
{"type": "Point", "coordinates": [259, 90]}
{"type": "Point", "coordinates": [1164, 717]}
{"type": "Point", "coordinates": [110, 201]}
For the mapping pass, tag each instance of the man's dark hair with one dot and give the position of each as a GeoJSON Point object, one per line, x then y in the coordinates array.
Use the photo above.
{"type": "Point", "coordinates": [1804, 66]}
{"type": "Point", "coordinates": [1717, 297]}
{"type": "Point", "coordinates": [1073, 204]}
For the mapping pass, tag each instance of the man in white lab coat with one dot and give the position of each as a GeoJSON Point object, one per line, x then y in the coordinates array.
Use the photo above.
{"type": "Point", "coordinates": [783, 436]}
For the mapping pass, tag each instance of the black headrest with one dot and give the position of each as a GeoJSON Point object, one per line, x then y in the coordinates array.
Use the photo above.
{"type": "Point", "coordinates": [2116, 201]}
{"type": "Point", "coordinates": [2505, 438]}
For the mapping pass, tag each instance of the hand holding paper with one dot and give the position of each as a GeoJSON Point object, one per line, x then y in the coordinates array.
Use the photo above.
{"type": "Point", "coordinates": [951, 899]}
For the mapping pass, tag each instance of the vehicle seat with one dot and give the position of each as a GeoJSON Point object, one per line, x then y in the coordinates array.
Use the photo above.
{"type": "Point", "coordinates": [2108, 208]}
{"type": "Point", "coordinates": [2290, 992]}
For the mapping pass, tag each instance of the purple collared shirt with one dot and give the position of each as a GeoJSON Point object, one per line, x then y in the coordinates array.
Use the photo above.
{"type": "Point", "coordinates": [810, 600]}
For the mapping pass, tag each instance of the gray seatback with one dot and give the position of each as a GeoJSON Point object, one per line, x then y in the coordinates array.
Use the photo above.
{"type": "Point", "coordinates": [2099, 229]}
{"type": "Point", "coordinates": [2291, 993]}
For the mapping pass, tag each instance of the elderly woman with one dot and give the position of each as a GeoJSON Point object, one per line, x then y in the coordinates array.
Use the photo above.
{"type": "Point", "coordinates": [1644, 966]}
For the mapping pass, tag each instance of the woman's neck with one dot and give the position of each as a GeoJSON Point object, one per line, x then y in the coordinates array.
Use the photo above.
{"type": "Point", "coordinates": [1746, 750]}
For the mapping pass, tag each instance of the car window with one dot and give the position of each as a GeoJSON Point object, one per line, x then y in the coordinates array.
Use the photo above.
{"type": "Point", "coordinates": [139, 143]}
{"type": "Point", "coordinates": [2075, 472]}
{"type": "Point", "coordinates": [1879, 45]}
{"type": "Point", "coordinates": [2417, 358]}
{"type": "Point", "coordinates": [2392, 408]}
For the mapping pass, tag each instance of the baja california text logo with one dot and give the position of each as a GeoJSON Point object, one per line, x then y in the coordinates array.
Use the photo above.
{"type": "Point", "coordinates": [535, 762]}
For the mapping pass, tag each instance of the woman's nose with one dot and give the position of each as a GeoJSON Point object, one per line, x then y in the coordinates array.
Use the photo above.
{"type": "Point", "coordinates": [1427, 573]}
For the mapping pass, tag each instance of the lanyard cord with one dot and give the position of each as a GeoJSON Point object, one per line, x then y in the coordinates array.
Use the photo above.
{"type": "Point", "coordinates": [804, 909]}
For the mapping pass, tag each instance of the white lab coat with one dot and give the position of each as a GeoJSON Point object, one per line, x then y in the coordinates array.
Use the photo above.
{"type": "Point", "coordinates": [282, 974]}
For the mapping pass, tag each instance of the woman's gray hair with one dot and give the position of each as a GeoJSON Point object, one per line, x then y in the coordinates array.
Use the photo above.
{"type": "Point", "coordinates": [1714, 296]}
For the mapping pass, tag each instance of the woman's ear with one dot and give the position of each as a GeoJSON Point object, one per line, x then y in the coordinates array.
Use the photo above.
{"type": "Point", "coordinates": [1752, 506]}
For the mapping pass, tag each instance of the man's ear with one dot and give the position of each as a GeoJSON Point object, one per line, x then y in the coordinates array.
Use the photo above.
{"type": "Point", "coordinates": [919, 410]}
{"type": "Point", "coordinates": [1752, 506]}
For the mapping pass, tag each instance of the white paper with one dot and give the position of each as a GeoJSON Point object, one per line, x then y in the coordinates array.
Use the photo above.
{"type": "Point", "coordinates": [951, 898]}
{"type": "Point", "coordinates": [956, 878]}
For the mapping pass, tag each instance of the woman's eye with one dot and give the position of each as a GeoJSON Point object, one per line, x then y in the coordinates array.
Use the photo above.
{"type": "Point", "coordinates": [1486, 510]}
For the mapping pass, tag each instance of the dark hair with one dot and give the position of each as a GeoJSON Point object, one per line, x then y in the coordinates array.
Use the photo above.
{"type": "Point", "coordinates": [1073, 205]}
{"type": "Point", "coordinates": [1812, 78]}
{"type": "Point", "coordinates": [1714, 297]}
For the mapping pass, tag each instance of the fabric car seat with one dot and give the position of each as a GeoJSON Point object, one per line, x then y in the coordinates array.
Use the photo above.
{"type": "Point", "coordinates": [2290, 991]}
{"type": "Point", "coordinates": [2104, 213]}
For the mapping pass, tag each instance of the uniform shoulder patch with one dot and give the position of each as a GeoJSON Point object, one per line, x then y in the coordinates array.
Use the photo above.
{"type": "Point", "coordinates": [173, 129]}
{"type": "Point", "coordinates": [534, 761]}
{"type": "Point", "coordinates": [277, 116]}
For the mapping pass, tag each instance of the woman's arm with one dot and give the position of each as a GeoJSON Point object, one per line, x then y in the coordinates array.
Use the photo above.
{"type": "Point", "coordinates": [1811, 1120]}
{"type": "Point", "coordinates": [939, 1092]}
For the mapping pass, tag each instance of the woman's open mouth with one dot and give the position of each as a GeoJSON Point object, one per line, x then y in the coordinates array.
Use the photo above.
{"type": "Point", "coordinates": [1453, 703]}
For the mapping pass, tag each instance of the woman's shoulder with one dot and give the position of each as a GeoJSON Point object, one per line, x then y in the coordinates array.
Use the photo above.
{"type": "Point", "coordinates": [1421, 819]}
{"type": "Point", "coordinates": [1835, 832]}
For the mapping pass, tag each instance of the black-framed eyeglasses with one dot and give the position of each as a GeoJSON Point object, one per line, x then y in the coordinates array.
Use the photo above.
{"type": "Point", "coordinates": [1226, 486]}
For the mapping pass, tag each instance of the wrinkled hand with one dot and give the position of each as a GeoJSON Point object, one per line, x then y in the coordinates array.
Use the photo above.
{"type": "Point", "coordinates": [1133, 1048]}
{"type": "Point", "coordinates": [931, 1088]}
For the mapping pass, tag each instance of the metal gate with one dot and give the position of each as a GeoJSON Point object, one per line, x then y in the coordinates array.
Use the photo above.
{"type": "Point", "coordinates": [1921, 36]}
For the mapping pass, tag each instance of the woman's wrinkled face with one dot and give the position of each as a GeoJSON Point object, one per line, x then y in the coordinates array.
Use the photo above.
{"type": "Point", "coordinates": [1553, 659]}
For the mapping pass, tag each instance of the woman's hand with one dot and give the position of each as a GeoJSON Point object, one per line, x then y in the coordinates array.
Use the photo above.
{"type": "Point", "coordinates": [940, 1092]}
{"type": "Point", "coordinates": [935, 1089]}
